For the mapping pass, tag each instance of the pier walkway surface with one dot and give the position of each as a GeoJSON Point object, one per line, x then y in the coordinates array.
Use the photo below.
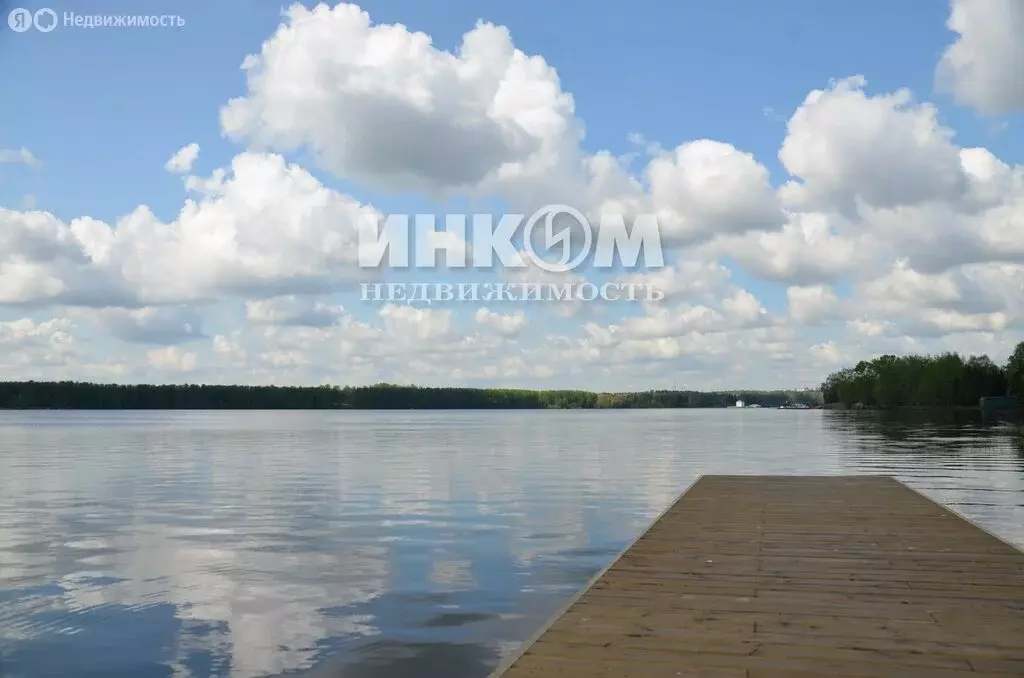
{"type": "Point", "coordinates": [796, 577]}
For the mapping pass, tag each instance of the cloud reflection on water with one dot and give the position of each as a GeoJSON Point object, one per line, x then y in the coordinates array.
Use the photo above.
{"type": "Point", "coordinates": [370, 544]}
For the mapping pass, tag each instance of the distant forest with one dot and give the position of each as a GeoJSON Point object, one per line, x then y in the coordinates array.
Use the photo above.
{"type": "Point", "coordinates": [947, 380]}
{"type": "Point", "coordinates": [80, 395]}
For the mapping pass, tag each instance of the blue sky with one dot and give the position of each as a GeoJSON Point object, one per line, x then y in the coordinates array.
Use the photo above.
{"type": "Point", "coordinates": [103, 110]}
{"type": "Point", "coordinates": [106, 107]}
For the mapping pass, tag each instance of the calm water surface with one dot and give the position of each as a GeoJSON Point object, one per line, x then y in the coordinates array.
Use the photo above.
{"type": "Point", "coordinates": [371, 544]}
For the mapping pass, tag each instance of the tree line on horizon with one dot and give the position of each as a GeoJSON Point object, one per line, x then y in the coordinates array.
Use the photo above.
{"type": "Point", "coordinates": [945, 380]}
{"type": "Point", "coordinates": [84, 395]}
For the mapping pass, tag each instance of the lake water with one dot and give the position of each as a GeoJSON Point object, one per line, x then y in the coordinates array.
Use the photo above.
{"type": "Point", "coordinates": [372, 544]}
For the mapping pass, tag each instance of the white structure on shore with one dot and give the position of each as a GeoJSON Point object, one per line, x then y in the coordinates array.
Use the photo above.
{"type": "Point", "coordinates": [739, 403]}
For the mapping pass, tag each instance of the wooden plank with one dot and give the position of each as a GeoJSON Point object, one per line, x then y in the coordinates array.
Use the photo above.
{"type": "Point", "coordinates": [799, 576]}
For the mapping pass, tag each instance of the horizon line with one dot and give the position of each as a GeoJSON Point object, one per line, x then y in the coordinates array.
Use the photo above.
{"type": "Point", "coordinates": [384, 384]}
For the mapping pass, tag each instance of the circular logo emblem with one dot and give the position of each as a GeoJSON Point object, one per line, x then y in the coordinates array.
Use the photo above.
{"type": "Point", "coordinates": [562, 238]}
{"type": "Point", "coordinates": [45, 20]}
{"type": "Point", "coordinates": [20, 19]}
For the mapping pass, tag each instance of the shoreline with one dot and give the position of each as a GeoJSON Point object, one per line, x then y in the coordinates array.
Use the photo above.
{"type": "Point", "coordinates": [92, 396]}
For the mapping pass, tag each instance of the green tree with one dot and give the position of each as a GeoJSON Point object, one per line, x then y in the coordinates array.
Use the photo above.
{"type": "Point", "coordinates": [1014, 372]}
{"type": "Point", "coordinates": [981, 378]}
{"type": "Point", "coordinates": [889, 383]}
{"type": "Point", "coordinates": [946, 380]}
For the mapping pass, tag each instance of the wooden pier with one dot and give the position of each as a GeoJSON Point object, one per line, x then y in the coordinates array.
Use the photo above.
{"type": "Point", "coordinates": [796, 577]}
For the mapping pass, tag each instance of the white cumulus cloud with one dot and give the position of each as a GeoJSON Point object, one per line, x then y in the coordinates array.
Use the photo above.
{"type": "Point", "coordinates": [982, 68]}
{"type": "Point", "coordinates": [183, 159]}
{"type": "Point", "coordinates": [881, 231]}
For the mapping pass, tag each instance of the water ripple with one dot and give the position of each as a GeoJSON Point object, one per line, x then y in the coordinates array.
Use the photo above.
{"type": "Point", "coordinates": [368, 544]}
